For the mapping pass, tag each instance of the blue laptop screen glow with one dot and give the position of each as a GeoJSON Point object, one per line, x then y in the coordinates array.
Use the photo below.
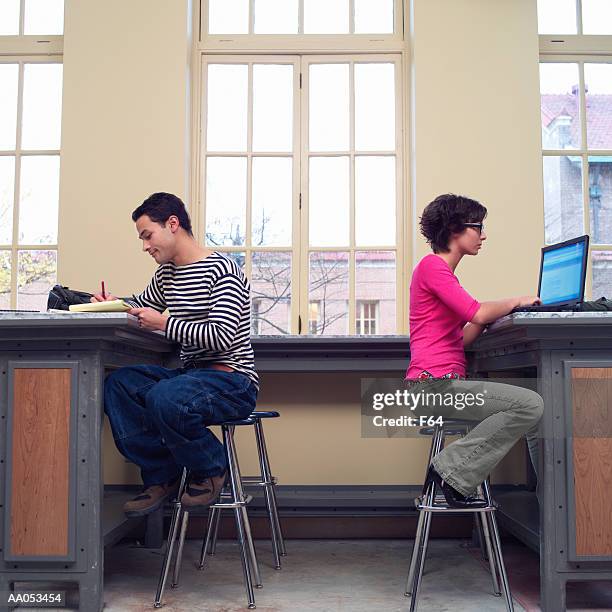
{"type": "Point", "coordinates": [561, 274]}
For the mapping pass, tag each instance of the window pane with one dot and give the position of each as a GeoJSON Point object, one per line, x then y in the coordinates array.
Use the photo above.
{"type": "Point", "coordinates": [9, 17]}
{"type": "Point", "coordinates": [560, 106]}
{"type": "Point", "coordinates": [557, 16]}
{"type": "Point", "coordinates": [329, 107]}
{"type": "Point", "coordinates": [44, 17]}
{"type": "Point", "coordinates": [228, 16]}
{"type": "Point", "coordinates": [596, 17]}
{"type": "Point", "coordinates": [598, 83]}
{"type": "Point", "coordinates": [375, 107]}
{"type": "Point", "coordinates": [5, 279]}
{"type": "Point", "coordinates": [225, 200]}
{"type": "Point", "coordinates": [42, 106]}
{"type": "Point", "coordinates": [272, 199]}
{"type": "Point", "coordinates": [271, 292]}
{"type": "Point", "coordinates": [374, 16]}
{"type": "Point", "coordinates": [329, 286]}
{"type": "Point", "coordinates": [563, 208]}
{"type": "Point", "coordinates": [227, 107]}
{"type": "Point", "coordinates": [375, 201]}
{"type": "Point", "coordinates": [326, 17]}
{"type": "Point", "coordinates": [39, 199]}
{"type": "Point", "coordinates": [602, 274]}
{"type": "Point", "coordinates": [375, 283]}
{"type": "Point", "coordinates": [7, 186]}
{"type": "Point", "coordinates": [328, 201]}
{"type": "Point", "coordinates": [9, 74]}
{"type": "Point", "coordinates": [272, 107]}
{"type": "Point", "coordinates": [36, 274]}
{"type": "Point", "coordinates": [237, 256]}
{"type": "Point", "coordinates": [276, 17]}
{"type": "Point", "coordinates": [600, 200]}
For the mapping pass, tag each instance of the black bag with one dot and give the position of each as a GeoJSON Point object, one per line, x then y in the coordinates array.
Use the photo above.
{"type": "Point", "coordinates": [62, 297]}
{"type": "Point", "coordinates": [602, 304]}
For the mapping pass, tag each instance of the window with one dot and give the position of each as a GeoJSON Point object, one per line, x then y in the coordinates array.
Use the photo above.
{"type": "Point", "coordinates": [367, 318]}
{"type": "Point", "coordinates": [301, 172]}
{"type": "Point", "coordinates": [576, 112]}
{"type": "Point", "coordinates": [30, 122]}
{"type": "Point", "coordinates": [299, 17]}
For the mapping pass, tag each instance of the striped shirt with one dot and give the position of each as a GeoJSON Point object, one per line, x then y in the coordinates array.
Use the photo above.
{"type": "Point", "coordinates": [210, 311]}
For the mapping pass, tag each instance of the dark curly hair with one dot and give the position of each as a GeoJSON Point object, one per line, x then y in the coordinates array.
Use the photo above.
{"type": "Point", "coordinates": [161, 206]}
{"type": "Point", "coordinates": [446, 215]}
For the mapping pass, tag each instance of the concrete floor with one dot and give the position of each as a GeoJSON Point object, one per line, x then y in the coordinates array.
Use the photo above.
{"type": "Point", "coordinates": [333, 576]}
{"type": "Point", "coordinates": [318, 576]}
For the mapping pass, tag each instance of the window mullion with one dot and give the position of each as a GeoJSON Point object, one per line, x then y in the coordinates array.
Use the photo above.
{"type": "Point", "coordinates": [21, 17]}
{"type": "Point", "coordinates": [17, 185]}
{"type": "Point", "coordinates": [579, 27]}
{"type": "Point", "coordinates": [352, 239]}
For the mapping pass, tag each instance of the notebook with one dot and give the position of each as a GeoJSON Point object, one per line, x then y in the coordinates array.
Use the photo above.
{"type": "Point", "coordinates": [108, 306]}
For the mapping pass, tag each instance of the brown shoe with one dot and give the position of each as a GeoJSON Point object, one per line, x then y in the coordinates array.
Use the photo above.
{"type": "Point", "coordinates": [150, 499]}
{"type": "Point", "coordinates": [203, 492]}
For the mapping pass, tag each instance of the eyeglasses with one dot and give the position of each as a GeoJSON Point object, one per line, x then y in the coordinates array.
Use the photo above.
{"type": "Point", "coordinates": [478, 226]}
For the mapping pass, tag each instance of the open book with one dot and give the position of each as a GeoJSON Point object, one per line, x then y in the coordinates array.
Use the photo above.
{"type": "Point", "coordinates": [109, 306]}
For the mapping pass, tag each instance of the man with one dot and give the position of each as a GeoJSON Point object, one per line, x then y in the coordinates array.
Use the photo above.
{"type": "Point", "coordinates": [159, 416]}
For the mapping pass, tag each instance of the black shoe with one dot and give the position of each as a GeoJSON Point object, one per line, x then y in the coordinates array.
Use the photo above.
{"type": "Point", "coordinates": [453, 498]}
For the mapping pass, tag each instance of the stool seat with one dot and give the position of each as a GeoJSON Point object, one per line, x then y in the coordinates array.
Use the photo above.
{"type": "Point", "coordinates": [238, 422]}
{"type": "Point", "coordinates": [264, 414]}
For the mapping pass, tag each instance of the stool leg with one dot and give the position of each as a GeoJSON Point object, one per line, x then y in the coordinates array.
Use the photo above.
{"type": "Point", "coordinates": [207, 539]}
{"type": "Point", "coordinates": [414, 556]}
{"type": "Point", "coordinates": [499, 558]}
{"type": "Point", "coordinates": [278, 546]}
{"type": "Point", "coordinates": [215, 530]}
{"type": "Point", "coordinates": [179, 552]}
{"type": "Point", "coordinates": [418, 576]}
{"type": "Point", "coordinates": [490, 555]}
{"type": "Point", "coordinates": [176, 512]}
{"type": "Point", "coordinates": [238, 494]}
{"type": "Point", "coordinates": [421, 543]}
{"type": "Point", "coordinates": [500, 561]}
{"type": "Point", "coordinates": [235, 485]}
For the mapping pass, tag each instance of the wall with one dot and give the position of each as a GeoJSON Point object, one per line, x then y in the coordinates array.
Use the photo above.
{"type": "Point", "coordinates": [475, 131]}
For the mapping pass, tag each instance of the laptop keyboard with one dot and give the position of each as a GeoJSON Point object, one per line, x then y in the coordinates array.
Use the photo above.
{"type": "Point", "coordinates": [545, 308]}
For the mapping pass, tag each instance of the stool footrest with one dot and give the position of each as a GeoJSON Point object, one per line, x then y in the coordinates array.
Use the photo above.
{"type": "Point", "coordinates": [256, 480]}
{"type": "Point", "coordinates": [446, 508]}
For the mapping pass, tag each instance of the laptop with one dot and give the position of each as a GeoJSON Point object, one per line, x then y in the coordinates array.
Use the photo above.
{"type": "Point", "coordinates": [562, 276]}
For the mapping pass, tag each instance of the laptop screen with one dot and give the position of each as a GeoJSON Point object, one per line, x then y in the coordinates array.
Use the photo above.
{"type": "Point", "coordinates": [562, 273]}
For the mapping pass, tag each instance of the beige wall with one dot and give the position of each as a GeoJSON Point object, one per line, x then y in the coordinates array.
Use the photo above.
{"type": "Point", "coordinates": [475, 131]}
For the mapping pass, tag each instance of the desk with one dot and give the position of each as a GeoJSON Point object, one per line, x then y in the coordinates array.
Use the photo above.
{"type": "Point", "coordinates": [54, 520]}
{"type": "Point", "coordinates": [573, 529]}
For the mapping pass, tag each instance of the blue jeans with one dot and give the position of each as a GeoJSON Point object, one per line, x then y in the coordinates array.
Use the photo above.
{"type": "Point", "coordinates": [159, 417]}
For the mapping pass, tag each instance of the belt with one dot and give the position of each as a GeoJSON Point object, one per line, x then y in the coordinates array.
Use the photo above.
{"type": "Point", "coordinates": [208, 365]}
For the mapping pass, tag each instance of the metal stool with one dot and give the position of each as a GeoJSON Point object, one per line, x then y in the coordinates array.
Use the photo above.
{"type": "Point", "coordinates": [431, 503]}
{"type": "Point", "coordinates": [235, 499]}
{"type": "Point", "coordinates": [265, 480]}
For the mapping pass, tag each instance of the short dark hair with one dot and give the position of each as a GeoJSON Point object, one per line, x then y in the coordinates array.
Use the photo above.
{"type": "Point", "coordinates": [161, 206]}
{"type": "Point", "coordinates": [446, 215]}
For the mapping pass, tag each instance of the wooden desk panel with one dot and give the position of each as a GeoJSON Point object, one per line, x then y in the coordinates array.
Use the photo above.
{"type": "Point", "coordinates": [40, 462]}
{"type": "Point", "coordinates": [592, 457]}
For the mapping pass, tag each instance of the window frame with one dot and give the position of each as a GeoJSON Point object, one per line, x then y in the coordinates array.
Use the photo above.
{"type": "Point", "coordinates": [287, 43]}
{"type": "Point", "coordinates": [18, 153]}
{"type": "Point", "coordinates": [270, 47]}
{"type": "Point", "coordinates": [579, 49]}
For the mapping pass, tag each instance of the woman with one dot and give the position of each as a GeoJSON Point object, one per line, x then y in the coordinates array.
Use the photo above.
{"type": "Point", "coordinates": [444, 319]}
